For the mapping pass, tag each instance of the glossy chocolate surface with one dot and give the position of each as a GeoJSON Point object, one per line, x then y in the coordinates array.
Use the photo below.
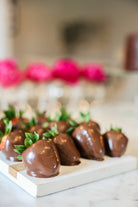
{"type": "Point", "coordinates": [19, 124]}
{"type": "Point", "coordinates": [89, 142]}
{"type": "Point", "coordinates": [41, 159]}
{"type": "Point", "coordinates": [62, 126]}
{"type": "Point", "coordinates": [69, 154]}
{"type": "Point", "coordinates": [2, 126]}
{"type": "Point", "coordinates": [94, 125]}
{"type": "Point", "coordinates": [115, 143]}
{"type": "Point", "coordinates": [16, 137]}
{"type": "Point", "coordinates": [39, 129]}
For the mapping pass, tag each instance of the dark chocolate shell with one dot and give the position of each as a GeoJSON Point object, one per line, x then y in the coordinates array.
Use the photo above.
{"type": "Point", "coordinates": [41, 159]}
{"type": "Point", "coordinates": [89, 142]}
{"type": "Point", "coordinates": [69, 154]}
{"type": "Point", "coordinates": [115, 143]}
{"type": "Point", "coordinates": [16, 137]}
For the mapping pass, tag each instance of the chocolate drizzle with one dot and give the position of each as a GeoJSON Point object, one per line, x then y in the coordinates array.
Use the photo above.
{"type": "Point", "coordinates": [16, 137]}
{"type": "Point", "coordinates": [115, 143]}
{"type": "Point", "coordinates": [89, 142]}
{"type": "Point", "coordinates": [69, 154]}
{"type": "Point", "coordinates": [41, 159]}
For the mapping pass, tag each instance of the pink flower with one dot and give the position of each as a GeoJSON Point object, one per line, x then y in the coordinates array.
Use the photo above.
{"type": "Point", "coordinates": [38, 72]}
{"type": "Point", "coordinates": [94, 72]}
{"type": "Point", "coordinates": [10, 75]}
{"type": "Point", "coordinates": [67, 70]}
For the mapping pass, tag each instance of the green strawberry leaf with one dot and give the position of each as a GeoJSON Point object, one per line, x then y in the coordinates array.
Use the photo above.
{"type": "Point", "coordinates": [31, 123]}
{"type": "Point", "coordinates": [19, 157]}
{"type": "Point", "coordinates": [70, 130]}
{"type": "Point", "coordinates": [8, 126]}
{"type": "Point", "coordinates": [21, 112]}
{"type": "Point", "coordinates": [51, 133]}
{"type": "Point", "coordinates": [36, 136]}
{"type": "Point", "coordinates": [19, 148]}
{"type": "Point", "coordinates": [47, 134]}
{"type": "Point", "coordinates": [57, 117]}
{"type": "Point", "coordinates": [10, 113]}
{"type": "Point", "coordinates": [73, 123]}
{"type": "Point", "coordinates": [117, 129]}
{"type": "Point", "coordinates": [63, 116]}
{"type": "Point", "coordinates": [85, 117]}
{"type": "Point", "coordinates": [45, 125]}
{"type": "Point", "coordinates": [49, 119]}
{"type": "Point", "coordinates": [1, 134]}
{"type": "Point", "coordinates": [28, 142]}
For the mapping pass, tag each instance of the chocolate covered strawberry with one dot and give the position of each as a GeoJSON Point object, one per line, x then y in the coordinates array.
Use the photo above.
{"type": "Point", "coordinates": [40, 157]}
{"type": "Point", "coordinates": [9, 140]}
{"type": "Point", "coordinates": [17, 119]}
{"type": "Point", "coordinates": [39, 129]}
{"type": "Point", "coordinates": [89, 142]}
{"type": "Point", "coordinates": [61, 120]}
{"type": "Point", "coordinates": [69, 154]}
{"type": "Point", "coordinates": [115, 142]}
{"type": "Point", "coordinates": [87, 119]}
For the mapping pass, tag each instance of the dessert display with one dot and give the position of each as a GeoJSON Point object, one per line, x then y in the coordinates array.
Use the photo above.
{"type": "Point", "coordinates": [44, 144]}
{"type": "Point", "coordinates": [115, 142]}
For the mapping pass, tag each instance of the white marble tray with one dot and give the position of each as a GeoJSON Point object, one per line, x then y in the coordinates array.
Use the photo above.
{"type": "Point", "coordinates": [70, 176]}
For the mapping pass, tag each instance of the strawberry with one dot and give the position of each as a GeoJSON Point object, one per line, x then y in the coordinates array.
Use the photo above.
{"type": "Point", "coordinates": [3, 142]}
{"type": "Point", "coordinates": [3, 136]}
{"type": "Point", "coordinates": [14, 120]}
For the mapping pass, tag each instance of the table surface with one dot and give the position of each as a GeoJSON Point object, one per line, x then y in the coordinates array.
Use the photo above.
{"type": "Point", "coordinates": [121, 190]}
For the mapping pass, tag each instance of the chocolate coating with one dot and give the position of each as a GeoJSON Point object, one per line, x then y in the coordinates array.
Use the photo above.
{"type": "Point", "coordinates": [41, 119]}
{"type": "Point", "coordinates": [16, 137]}
{"type": "Point", "coordinates": [115, 143]}
{"type": "Point", "coordinates": [93, 125]}
{"type": "Point", "coordinates": [69, 154]}
{"type": "Point", "coordinates": [2, 126]}
{"type": "Point", "coordinates": [89, 142]}
{"type": "Point", "coordinates": [41, 159]}
{"type": "Point", "coordinates": [19, 124]}
{"type": "Point", "coordinates": [39, 129]}
{"type": "Point", "coordinates": [62, 126]}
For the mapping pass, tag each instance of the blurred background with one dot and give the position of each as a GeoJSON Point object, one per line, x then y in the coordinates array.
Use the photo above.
{"type": "Point", "coordinates": [92, 31]}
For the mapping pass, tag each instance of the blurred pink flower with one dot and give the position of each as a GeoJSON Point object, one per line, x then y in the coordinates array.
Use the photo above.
{"type": "Point", "coordinates": [10, 75]}
{"type": "Point", "coordinates": [38, 72]}
{"type": "Point", "coordinates": [67, 70]}
{"type": "Point", "coordinates": [94, 72]}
